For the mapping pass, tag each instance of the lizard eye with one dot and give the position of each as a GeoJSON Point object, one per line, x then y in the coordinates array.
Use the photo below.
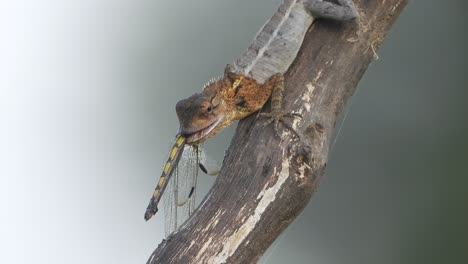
{"type": "Point", "coordinates": [210, 108]}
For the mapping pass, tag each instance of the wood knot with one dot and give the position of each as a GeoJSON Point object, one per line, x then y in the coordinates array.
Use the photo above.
{"type": "Point", "coordinates": [301, 160]}
{"type": "Point", "coordinates": [302, 154]}
{"type": "Point", "coordinates": [315, 131]}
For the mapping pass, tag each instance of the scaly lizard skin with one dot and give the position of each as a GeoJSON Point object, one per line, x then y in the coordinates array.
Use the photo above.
{"type": "Point", "coordinates": [252, 79]}
{"type": "Point", "coordinates": [221, 103]}
{"type": "Point", "coordinates": [257, 74]}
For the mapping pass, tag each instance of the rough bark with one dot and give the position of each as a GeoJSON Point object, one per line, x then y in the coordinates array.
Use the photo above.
{"type": "Point", "coordinates": [266, 181]}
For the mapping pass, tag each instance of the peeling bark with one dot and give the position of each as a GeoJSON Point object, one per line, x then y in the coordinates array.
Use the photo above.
{"type": "Point", "coordinates": [265, 181]}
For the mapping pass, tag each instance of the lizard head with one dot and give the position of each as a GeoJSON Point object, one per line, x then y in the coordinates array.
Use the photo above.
{"type": "Point", "coordinates": [204, 114]}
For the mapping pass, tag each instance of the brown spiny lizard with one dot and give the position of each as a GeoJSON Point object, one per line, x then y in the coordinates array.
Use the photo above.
{"type": "Point", "coordinates": [257, 74]}
{"type": "Point", "coordinates": [252, 79]}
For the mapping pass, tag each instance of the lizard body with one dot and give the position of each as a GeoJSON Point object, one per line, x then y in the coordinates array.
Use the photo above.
{"type": "Point", "coordinates": [254, 77]}
{"type": "Point", "coordinates": [276, 45]}
{"type": "Point", "coordinates": [251, 80]}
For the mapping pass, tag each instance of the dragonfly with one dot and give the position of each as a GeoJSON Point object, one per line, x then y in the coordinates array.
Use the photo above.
{"type": "Point", "coordinates": [178, 183]}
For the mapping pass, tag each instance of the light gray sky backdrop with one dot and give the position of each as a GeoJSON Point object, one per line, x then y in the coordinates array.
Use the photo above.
{"type": "Point", "coordinates": [87, 95]}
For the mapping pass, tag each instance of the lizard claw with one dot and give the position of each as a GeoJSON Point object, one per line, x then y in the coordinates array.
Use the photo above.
{"type": "Point", "coordinates": [279, 117]}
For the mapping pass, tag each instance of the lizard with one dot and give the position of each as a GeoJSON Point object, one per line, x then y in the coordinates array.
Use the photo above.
{"type": "Point", "coordinates": [254, 78]}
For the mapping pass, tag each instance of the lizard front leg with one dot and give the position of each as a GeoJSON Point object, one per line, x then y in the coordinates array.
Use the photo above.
{"type": "Point", "coordinates": [277, 115]}
{"type": "Point", "coordinates": [345, 11]}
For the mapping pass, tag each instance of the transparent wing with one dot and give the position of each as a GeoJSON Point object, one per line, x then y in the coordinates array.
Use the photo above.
{"type": "Point", "coordinates": [179, 199]}
{"type": "Point", "coordinates": [208, 165]}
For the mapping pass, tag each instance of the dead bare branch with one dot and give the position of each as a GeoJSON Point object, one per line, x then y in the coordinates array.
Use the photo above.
{"type": "Point", "coordinates": [266, 182]}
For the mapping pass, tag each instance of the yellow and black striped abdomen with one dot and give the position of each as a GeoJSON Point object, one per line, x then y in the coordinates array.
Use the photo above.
{"type": "Point", "coordinates": [174, 156]}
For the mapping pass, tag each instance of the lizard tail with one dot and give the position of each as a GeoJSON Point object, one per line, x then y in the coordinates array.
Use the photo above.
{"type": "Point", "coordinates": [174, 156]}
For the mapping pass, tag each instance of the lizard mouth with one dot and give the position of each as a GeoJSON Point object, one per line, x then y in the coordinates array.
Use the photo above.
{"type": "Point", "coordinates": [197, 136]}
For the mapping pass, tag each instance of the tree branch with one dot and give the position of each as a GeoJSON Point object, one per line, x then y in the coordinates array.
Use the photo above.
{"type": "Point", "coordinates": [266, 182]}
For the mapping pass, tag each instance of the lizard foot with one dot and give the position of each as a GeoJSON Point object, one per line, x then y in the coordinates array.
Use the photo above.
{"type": "Point", "coordinates": [277, 117]}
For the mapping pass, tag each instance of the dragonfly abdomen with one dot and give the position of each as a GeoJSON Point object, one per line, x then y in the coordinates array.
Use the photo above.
{"type": "Point", "coordinates": [171, 163]}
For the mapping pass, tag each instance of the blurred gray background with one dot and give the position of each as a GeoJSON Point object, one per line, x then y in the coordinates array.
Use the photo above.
{"type": "Point", "coordinates": [87, 96]}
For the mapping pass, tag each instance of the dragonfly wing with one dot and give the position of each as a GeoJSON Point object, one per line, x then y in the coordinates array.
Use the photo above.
{"type": "Point", "coordinates": [180, 197]}
{"type": "Point", "coordinates": [179, 201]}
{"type": "Point", "coordinates": [208, 164]}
